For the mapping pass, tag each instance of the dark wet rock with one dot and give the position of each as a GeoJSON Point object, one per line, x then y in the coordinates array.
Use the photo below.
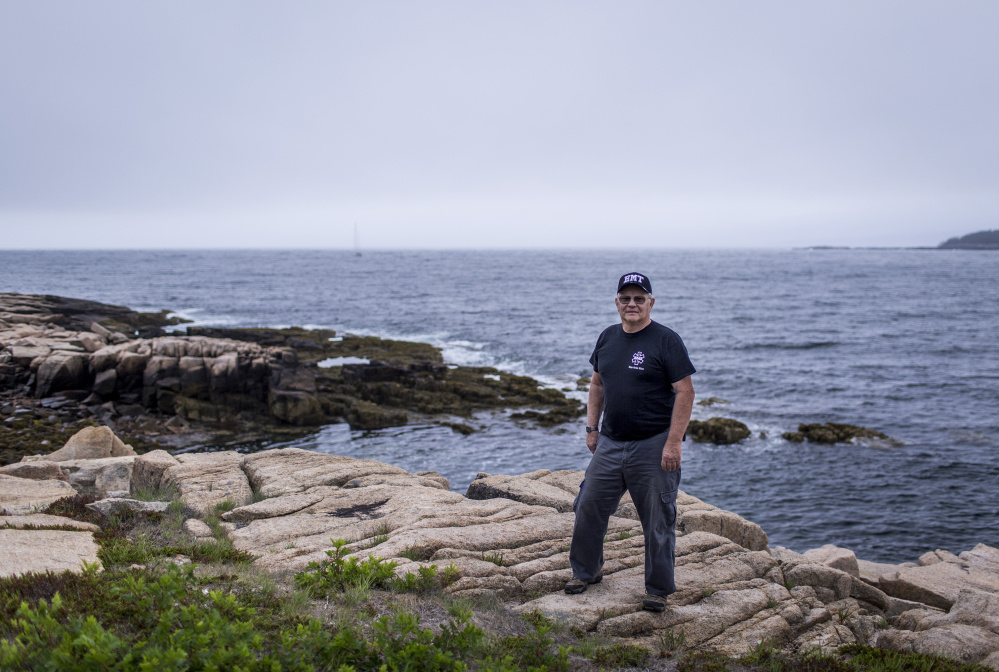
{"type": "Point", "coordinates": [460, 428]}
{"type": "Point", "coordinates": [296, 408]}
{"type": "Point", "coordinates": [712, 401]}
{"type": "Point", "coordinates": [246, 379]}
{"type": "Point", "coordinates": [834, 432]}
{"type": "Point", "coordinates": [61, 371]}
{"type": "Point", "coordinates": [367, 416]}
{"type": "Point", "coordinates": [721, 431]}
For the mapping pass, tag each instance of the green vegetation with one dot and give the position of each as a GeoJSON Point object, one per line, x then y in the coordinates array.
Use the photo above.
{"type": "Point", "coordinates": [341, 571]}
{"type": "Point", "coordinates": [621, 655]}
{"type": "Point", "coordinates": [495, 557]}
{"type": "Point", "coordinates": [672, 640]}
{"type": "Point", "coordinates": [381, 535]}
{"type": "Point", "coordinates": [146, 612]}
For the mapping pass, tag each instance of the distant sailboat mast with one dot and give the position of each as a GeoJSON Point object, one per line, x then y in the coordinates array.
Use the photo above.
{"type": "Point", "coordinates": [357, 242]}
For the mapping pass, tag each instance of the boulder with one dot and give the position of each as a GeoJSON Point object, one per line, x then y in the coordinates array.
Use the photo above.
{"type": "Point", "coordinates": [836, 432]}
{"type": "Point", "coordinates": [365, 415]}
{"type": "Point", "coordinates": [197, 528]}
{"type": "Point", "coordinates": [91, 443]}
{"type": "Point", "coordinates": [131, 366]}
{"type": "Point", "coordinates": [61, 371]}
{"type": "Point", "coordinates": [89, 341]}
{"type": "Point", "coordinates": [148, 470]}
{"type": "Point", "coordinates": [22, 496]}
{"type": "Point", "coordinates": [41, 470]}
{"type": "Point", "coordinates": [206, 479]}
{"type": "Point", "coordinates": [871, 572]}
{"type": "Point", "coordinates": [726, 524]}
{"type": "Point", "coordinates": [224, 374]}
{"type": "Point", "coordinates": [104, 382]}
{"type": "Point", "coordinates": [721, 431]}
{"type": "Point", "coordinates": [830, 584]}
{"type": "Point", "coordinates": [24, 355]}
{"type": "Point", "coordinates": [939, 584]}
{"type": "Point", "coordinates": [40, 551]}
{"type": "Point", "coordinates": [842, 559]}
{"type": "Point", "coordinates": [100, 477]}
{"type": "Point", "coordinates": [969, 632]}
{"type": "Point", "coordinates": [193, 376]}
{"type": "Point", "coordinates": [297, 408]}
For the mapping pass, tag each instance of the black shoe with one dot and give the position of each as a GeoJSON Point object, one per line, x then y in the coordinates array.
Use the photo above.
{"type": "Point", "coordinates": [656, 603]}
{"type": "Point", "coordinates": [575, 586]}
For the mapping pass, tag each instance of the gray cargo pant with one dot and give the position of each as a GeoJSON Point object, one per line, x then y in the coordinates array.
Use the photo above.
{"type": "Point", "coordinates": [635, 466]}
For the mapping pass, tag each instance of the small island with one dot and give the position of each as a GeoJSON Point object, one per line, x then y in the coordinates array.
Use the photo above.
{"type": "Point", "coordinates": [980, 240]}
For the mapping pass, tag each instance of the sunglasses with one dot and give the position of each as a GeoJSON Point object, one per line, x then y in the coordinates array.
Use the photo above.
{"type": "Point", "coordinates": [625, 300]}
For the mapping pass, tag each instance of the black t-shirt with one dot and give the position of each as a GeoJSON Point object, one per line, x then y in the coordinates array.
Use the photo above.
{"type": "Point", "coordinates": [638, 371]}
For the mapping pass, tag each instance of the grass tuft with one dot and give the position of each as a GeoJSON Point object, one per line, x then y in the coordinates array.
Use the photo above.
{"type": "Point", "coordinates": [494, 557]}
{"type": "Point", "coordinates": [671, 640]}
{"type": "Point", "coordinates": [621, 655]}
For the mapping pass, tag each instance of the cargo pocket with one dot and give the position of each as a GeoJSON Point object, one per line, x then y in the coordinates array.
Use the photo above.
{"type": "Point", "coordinates": [575, 502]}
{"type": "Point", "coordinates": [669, 507]}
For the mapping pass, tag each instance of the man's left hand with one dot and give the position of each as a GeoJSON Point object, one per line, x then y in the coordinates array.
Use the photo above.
{"type": "Point", "coordinates": [671, 455]}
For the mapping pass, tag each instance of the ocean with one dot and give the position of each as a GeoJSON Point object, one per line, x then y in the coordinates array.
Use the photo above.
{"type": "Point", "coordinates": [902, 341]}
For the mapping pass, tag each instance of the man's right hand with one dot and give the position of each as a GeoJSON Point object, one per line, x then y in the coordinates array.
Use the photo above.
{"type": "Point", "coordinates": [591, 441]}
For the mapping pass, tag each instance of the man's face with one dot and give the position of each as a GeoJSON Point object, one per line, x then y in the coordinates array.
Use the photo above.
{"type": "Point", "coordinates": [633, 304]}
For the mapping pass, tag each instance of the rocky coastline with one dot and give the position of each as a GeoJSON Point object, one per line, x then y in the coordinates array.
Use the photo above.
{"type": "Point", "coordinates": [96, 400]}
{"type": "Point", "coordinates": [69, 363]}
{"type": "Point", "coordinates": [508, 538]}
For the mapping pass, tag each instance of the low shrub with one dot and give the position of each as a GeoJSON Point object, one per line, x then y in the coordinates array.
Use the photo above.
{"type": "Point", "coordinates": [340, 571]}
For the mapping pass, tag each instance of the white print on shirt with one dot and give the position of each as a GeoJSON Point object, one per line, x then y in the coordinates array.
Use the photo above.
{"type": "Point", "coordinates": [637, 359]}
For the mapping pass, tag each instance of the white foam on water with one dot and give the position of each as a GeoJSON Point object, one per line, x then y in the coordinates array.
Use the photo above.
{"type": "Point", "coordinates": [198, 318]}
{"type": "Point", "coordinates": [462, 352]}
{"type": "Point", "coordinates": [340, 361]}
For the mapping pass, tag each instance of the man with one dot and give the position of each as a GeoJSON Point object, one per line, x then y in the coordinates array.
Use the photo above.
{"type": "Point", "coordinates": [641, 386]}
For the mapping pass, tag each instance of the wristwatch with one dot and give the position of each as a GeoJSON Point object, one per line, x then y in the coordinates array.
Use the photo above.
{"type": "Point", "coordinates": [592, 429]}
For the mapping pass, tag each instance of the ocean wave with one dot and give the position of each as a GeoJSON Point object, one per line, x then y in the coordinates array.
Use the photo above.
{"type": "Point", "coordinates": [808, 345]}
{"type": "Point", "coordinates": [197, 317]}
{"type": "Point", "coordinates": [463, 352]}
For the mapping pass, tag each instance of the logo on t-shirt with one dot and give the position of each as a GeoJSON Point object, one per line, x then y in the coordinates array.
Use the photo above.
{"type": "Point", "coordinates": [637, 359]}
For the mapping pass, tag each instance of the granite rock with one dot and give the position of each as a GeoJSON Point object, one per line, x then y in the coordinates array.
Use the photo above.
{"type": "Point", "coordinates": [39, 551]}
{"type": "Point", "coordinates": [90, 443]}
{"type": "Point", "coordinates": [207, 479]}
{"type": "Point", "coordinates": [19, 496]}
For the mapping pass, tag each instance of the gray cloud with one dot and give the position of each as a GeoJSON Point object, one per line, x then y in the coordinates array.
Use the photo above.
{"type": "Point", "coordinates": [517, 124]}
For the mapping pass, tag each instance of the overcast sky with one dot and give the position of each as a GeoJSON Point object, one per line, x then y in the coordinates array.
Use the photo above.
{"type": "Point", "coordinates": [497, 124]}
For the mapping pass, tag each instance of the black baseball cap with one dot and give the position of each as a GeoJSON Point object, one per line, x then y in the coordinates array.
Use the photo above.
{"type": "Point", "coordinates": [635, 279]}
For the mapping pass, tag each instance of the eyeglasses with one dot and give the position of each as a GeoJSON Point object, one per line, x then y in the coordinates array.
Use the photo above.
{"type": "Point", "coordinates": [625, 300]}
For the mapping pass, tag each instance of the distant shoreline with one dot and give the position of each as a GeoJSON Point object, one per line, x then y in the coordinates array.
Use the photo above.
{"type": "Point", "coordinates": [900, 247]}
